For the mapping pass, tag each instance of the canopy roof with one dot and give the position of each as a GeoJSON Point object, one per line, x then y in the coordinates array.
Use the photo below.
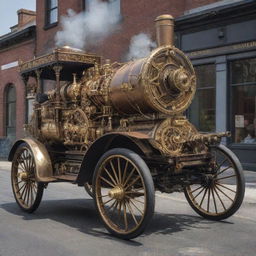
{"type": "Point", "coordinates": [70, 60]}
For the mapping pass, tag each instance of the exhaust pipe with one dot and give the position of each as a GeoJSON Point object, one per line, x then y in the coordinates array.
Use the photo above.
{"type": "Point", "coordinates": [164, 30]}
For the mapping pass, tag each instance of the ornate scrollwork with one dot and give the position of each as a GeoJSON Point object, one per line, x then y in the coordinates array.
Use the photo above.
{"type": "Point", "coordinates": [169, 79]}
{"type": "Point", "coordinates": [171, 135]}
{"type": "Point", "coordinates": [76, 128]}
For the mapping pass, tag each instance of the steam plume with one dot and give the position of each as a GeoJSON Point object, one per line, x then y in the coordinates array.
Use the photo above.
{"type": "Point", "coordinates": [82, 29]}
{"type": "Point", "coordinates": [140, 46]}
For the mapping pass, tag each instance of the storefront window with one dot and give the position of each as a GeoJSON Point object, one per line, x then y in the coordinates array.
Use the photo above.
{"type": "Point", "coordinates": [243, 95]}
{"type": "Point", "coordinates": [202, 109]}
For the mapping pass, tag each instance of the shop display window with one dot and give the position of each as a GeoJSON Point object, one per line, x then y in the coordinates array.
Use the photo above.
{"type": "Point", "coordinates": [202, 109]}
{"type": "Point", "coordinates": [243, 100]}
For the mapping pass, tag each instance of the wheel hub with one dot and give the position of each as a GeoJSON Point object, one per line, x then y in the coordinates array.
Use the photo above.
{"type": "Point", "coordinates": [116, 193]}
{"type": "Point", "coordinates": [209, 180]}
{"type": "Point", "coordinates": [23, 176]}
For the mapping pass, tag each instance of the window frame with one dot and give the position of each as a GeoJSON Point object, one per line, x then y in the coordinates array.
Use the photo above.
{"type": "Point", "coordinates": [230, 103]}
{"type": "Point", "coordinates": [198, 89]}
{"type": "Point", "coordinates": [7, 104]}
{"type": "Point", "coordinates": [48, 11]}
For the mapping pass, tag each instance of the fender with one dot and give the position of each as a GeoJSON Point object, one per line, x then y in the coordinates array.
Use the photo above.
{"type": "Point", "coordinates": [134, 141]}
{"type": "Point", "coordinates": [44, 171]}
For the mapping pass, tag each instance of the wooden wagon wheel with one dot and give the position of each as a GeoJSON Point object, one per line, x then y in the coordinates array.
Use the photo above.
{"type": "Point", "coordinates": [27, 191]}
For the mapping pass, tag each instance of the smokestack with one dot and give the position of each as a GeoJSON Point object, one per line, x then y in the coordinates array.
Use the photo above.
{"type": "Point", "coordinates": [164, 30]}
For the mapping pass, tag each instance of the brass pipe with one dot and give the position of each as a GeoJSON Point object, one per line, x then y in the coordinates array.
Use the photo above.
{"type": "Point", "coordinates": [164, 30]}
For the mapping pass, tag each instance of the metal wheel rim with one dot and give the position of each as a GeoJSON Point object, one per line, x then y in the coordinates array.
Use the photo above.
{"type": "Point", "coordinates": [213, 199]}
{"type": "Point", "coordinates": [127, 207]}
{"type": "Point", "coordinates": [25, 188]}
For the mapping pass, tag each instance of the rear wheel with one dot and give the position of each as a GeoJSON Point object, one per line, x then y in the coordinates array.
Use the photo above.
{"type": "Point", "coordinates": [221, 192]}
{"type": "Point", "coordinates": [27, 191]}
{"type": "Point", "coordinates": [124, 192]}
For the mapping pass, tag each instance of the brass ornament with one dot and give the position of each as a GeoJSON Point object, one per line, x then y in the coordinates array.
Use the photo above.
{"type": "Point", "coordinates": [171, 135]}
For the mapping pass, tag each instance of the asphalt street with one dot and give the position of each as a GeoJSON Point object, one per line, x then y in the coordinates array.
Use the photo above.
{"type": "Point", "coordinates": [67, 224]}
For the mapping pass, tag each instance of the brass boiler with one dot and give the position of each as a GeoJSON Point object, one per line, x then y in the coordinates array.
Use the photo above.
{"type": "Point", "coordinates": [163, 82]}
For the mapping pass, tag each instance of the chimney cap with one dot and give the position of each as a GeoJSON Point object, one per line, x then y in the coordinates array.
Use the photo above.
{"type": "Point", "coordinates": [164, 17]}
{"type": "Point", "coordinates": [26, 11]}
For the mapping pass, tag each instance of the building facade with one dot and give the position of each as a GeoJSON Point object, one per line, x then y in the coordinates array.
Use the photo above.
{"type": "Point", "coordinates": [16, 46]}
{"type": "Point", "coordinates": [217, 35]}
{"type": "Point", "coordinates": [221, 42]}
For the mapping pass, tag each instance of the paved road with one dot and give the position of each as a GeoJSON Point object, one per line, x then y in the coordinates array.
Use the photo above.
{"type": "Point", "coordinates": [66, 223]}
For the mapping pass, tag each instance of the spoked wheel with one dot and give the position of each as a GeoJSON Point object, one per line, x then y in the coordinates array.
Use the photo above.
{"type": "Point", "coordinates": [88, 189]}
{"type": "Point", "coordinates": [124, 192]}
{"type": "Point", "coordinates": [221, 191]}
{"type": "Point", "coordinates": [27, 191]}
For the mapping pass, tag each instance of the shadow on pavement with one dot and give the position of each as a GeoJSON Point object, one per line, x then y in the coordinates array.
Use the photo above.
{"type": "Point", "coordinates": [81, 214]}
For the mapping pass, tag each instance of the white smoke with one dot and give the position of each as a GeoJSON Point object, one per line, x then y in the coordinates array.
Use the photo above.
{"type": "Point", "coordinates": [82, 29]}
{"type": "Point", "coordinates": [140, 46]}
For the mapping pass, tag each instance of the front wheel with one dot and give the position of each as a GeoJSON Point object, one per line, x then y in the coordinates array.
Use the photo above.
{"type": "Point", "coordinates": [27, 191]}
{"type": "Point", "coordinates": [221, 191]}
{"type": "Point", "coordinates": [124, 192]}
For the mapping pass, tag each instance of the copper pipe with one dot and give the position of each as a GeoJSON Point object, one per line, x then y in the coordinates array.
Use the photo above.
{"type": "Point", "coordinates": [164, 30]}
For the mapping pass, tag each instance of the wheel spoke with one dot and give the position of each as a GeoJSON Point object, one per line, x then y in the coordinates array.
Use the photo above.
{"type": "Point", "coordinates": [219, 198]}
{"type": "Point", "coordinates": [214, 201]}
{"type": "Point", "coordinates": [21, 187]}
{"type": "Point", "coordinates": [29, 187]}
{"type": "Point", "coordinates": [136, 207]}
{"type": "Point", "coordinates": [125, 170]}
{"type": "Point", "coordinates": [18, 182]}
{"type": "Point", "coordinates": [125, 217]}
{"type": "Point", "coordinates": [223, 170]}
{"type": "Point", "coordinates": [224, 194]}
{"type": "Point", "coordinates": [111, 199]}
{"type": "Point", "coordinates": [21, 195]}
{"type": "Point", "coordinates": [203, 197]}
{"type": "Point", "coordinates": [21, 165]}
{"type": "Point", "coordinates": [114, 171]}
{"type": "Point", "coordinates": [196, 189]}
{"type": "Point", "coordinates": [208, 201]}
{"type": "Point", "coordinates": [119, 209]}
{"type": "Point", "coordinates": [25, 161]}
{"type": "Point", "coordinates": [110, 176]}
{"type": "Point", "coordinates": [32, 195]}
{"type": "Point", "coordinates": [135, 199]}
{"type": "Point", "coordinates": [219, 184]}
{"type": "Point", "coordinates": [129, 176]}
{"type": "Point", "coordinates": [219, 165]}
{"type": "Point", "coordinates": [131, 212]}
{"type": "Point", "coordinates": [119, 170]}
{"type": "Point", "coordinates": [199, 193]}
{"type": "Point", "coordinates": [102, 196]}
{"type": "Point", "coordinates": [34, 187]}
{"type": "Point", "coordinates": [135, 192]}
{"type": "Point", "coordinates": [108, 182]}
{"type": "Point", "coordinates": [25, 196]}
{"type": "Point", "coordinates": [227, 177]}
{"type": "Point", "coordinates": [133, 182]}
{"type": "Point", "coordinates": [112, 205]}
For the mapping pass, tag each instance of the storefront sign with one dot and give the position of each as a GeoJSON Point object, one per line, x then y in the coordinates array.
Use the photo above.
{"type": "Point", "coordinates": [239, 121]}
{"type": "Point", "coordinates": [222, 50]}
{"type": "Point", "coordinates": [10, 65]}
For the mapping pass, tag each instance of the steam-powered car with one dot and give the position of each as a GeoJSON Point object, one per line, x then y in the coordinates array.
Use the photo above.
{"type": "Point", "coordinates": [119, 131]}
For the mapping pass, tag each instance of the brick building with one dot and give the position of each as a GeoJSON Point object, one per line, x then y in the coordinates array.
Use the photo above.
{"type": "Point", "coordinates": [34, 35]}
{"type": "Point", "coordinates": [18, 45]}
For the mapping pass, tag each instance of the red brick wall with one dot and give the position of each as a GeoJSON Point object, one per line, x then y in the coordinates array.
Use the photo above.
{"type": "Point", "coordinates": [24, 51]}
{"type": "Point", "coordinates": [45, 37]}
